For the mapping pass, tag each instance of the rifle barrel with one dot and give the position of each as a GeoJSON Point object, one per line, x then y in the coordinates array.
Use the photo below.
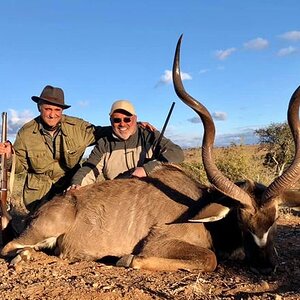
{"type": "Point", "coordinates": [5, 217]}
{"type": "Point", "coordinates": [167, 119]}
{"type": "Point", "coordinates": [163, 130]}
{"type": "Point", "coordinates": [4, 127]}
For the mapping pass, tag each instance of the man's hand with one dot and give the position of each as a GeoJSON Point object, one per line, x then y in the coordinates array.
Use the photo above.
{"type": "Point", "coordinates": [139, 172]}
{"type": "Point", "coordinates": [73, 187]}
{"type": "Point", "coordinates": [6, 148]}
{"type": "Point", "coordinates": [147, 125]}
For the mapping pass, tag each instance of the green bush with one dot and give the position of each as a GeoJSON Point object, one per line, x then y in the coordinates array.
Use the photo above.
{"type": "Point", "coordinates": [237, 162]}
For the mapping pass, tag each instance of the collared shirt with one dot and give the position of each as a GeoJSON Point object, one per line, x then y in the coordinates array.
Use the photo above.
{"type": "Point", "coordinates": [53, 141]}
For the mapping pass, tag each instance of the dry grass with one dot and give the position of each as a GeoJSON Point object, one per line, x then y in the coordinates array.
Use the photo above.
{"type": "Point", "coordinates": [237, 162]}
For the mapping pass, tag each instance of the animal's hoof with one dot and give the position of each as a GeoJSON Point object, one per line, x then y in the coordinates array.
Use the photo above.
{"type": "Point", "coordinates": [23, 256]}
{"type": "Point", "coordinates": [125, 261]}
{"type": "Point", "coordinates": [15, 261]}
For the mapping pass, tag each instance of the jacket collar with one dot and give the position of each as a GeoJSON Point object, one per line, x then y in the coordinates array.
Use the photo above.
{"type": "Point", "coordinates": [38, 126]}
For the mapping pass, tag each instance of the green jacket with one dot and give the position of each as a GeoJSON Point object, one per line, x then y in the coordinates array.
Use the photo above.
{"type": "Point", "coordinates": [46, 175]}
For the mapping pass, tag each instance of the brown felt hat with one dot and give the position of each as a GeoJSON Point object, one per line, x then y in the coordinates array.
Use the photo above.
{"type": "Point", "coordinates": [52, 95]}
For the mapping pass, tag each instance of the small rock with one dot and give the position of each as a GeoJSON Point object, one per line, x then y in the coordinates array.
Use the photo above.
{"type": "Point", "coordinates": [265, 285]}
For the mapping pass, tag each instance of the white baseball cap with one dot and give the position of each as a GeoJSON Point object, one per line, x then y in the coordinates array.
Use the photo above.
{"type": "Point", "coordinates": [123, 105]}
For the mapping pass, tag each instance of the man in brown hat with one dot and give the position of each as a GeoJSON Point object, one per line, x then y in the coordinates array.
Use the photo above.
{"type": "Point", "coordinates": [49, 148]}
{"type": "Point", "coordinates": [126, 149]}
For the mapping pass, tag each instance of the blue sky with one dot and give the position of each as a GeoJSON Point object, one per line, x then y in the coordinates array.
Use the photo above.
{"type": "Point", "coordinates": [239, 58]}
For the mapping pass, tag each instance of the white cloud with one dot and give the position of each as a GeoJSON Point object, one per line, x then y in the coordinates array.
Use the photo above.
{"type": "Point", "coordinates": [194, 139]}
{"type": "Point", "coordinates": [16, 119]}
{"type": "Point", "coordinates": [286, 51]}
{"type": "Point", "coordinates": [183, 138]}
{"type": "Point", "coordinates": [219, 116]}
{"type": "Point", "coordinates": [203, 71]}
{"type": "Point", "coordinates": [244, 137]}
{"type": "Point", "coordinates": [187, 140]}
{"type": "Point", "coordinates": [191, 138]}
{"type": "Point", "coordinates": [83, 103]}
{"type": "Point", "coordinates": [291, 35]}
{"type": "Point", "coordinates": [223, 54]}
{"type": "Point", "coordinates": [166, 78]}
{"type": "Point", "coordinates": [185, 76]}
{"type": "Point", "coordinates": [195, 120]}
{"type": "Point", "coordinates": [256, 44]}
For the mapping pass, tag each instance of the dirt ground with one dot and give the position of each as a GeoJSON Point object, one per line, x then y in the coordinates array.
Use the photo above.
{"type": "Point", "coordinates": [48, 277]}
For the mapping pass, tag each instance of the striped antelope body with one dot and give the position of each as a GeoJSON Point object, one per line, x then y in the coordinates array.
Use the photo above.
{"type": "Point", "coordinates": [168, 221]}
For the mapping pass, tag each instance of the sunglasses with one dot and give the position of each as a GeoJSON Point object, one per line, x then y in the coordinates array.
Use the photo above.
{"type": "Point", "coordinates": [119, 120]}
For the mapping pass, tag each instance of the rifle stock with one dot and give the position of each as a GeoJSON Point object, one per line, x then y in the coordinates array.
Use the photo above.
{"type": "Point", "coordinates": [5, 216]}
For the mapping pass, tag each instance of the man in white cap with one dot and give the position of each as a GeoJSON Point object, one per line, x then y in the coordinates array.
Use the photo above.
{"type": "Point", "coordinates": [126, 148]}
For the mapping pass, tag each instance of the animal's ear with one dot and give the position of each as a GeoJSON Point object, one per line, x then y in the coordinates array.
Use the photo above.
{"type": "Point", "coordinates": [210, 213]}
{"type": "Point", "coordinates": [291, 198]}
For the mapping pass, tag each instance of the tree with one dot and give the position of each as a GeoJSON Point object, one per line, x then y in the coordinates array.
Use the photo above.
{"type": "Point", "coordinates": [277, 140]}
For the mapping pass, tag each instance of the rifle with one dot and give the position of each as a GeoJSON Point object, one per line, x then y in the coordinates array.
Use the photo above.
{"type": "Point", "coordinates": [156, 146]}
{"type": "Point", "coordinates": [5, 216]}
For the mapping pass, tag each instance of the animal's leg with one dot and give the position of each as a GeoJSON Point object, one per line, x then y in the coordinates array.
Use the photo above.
{"type": "Point", "coordinates": [52, 220]}
{"type": "Point", "coordinates": [173, 255]}
{"type": "Point", "coordinates": [22, 255]}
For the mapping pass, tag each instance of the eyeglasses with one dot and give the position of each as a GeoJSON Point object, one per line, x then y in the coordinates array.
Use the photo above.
{"type": "Point", "coordinates": [119, 120]}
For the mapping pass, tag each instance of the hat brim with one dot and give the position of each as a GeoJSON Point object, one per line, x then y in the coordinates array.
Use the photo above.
{"type": "Point", "coordinates": [37, 99]}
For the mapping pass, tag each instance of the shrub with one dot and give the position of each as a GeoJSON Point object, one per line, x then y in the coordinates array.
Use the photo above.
{"type": "Point", "coordinates": [237, 162]}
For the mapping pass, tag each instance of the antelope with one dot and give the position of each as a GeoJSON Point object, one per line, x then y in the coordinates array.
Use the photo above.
{"type": "Point", "coordinates": [167, 221]}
